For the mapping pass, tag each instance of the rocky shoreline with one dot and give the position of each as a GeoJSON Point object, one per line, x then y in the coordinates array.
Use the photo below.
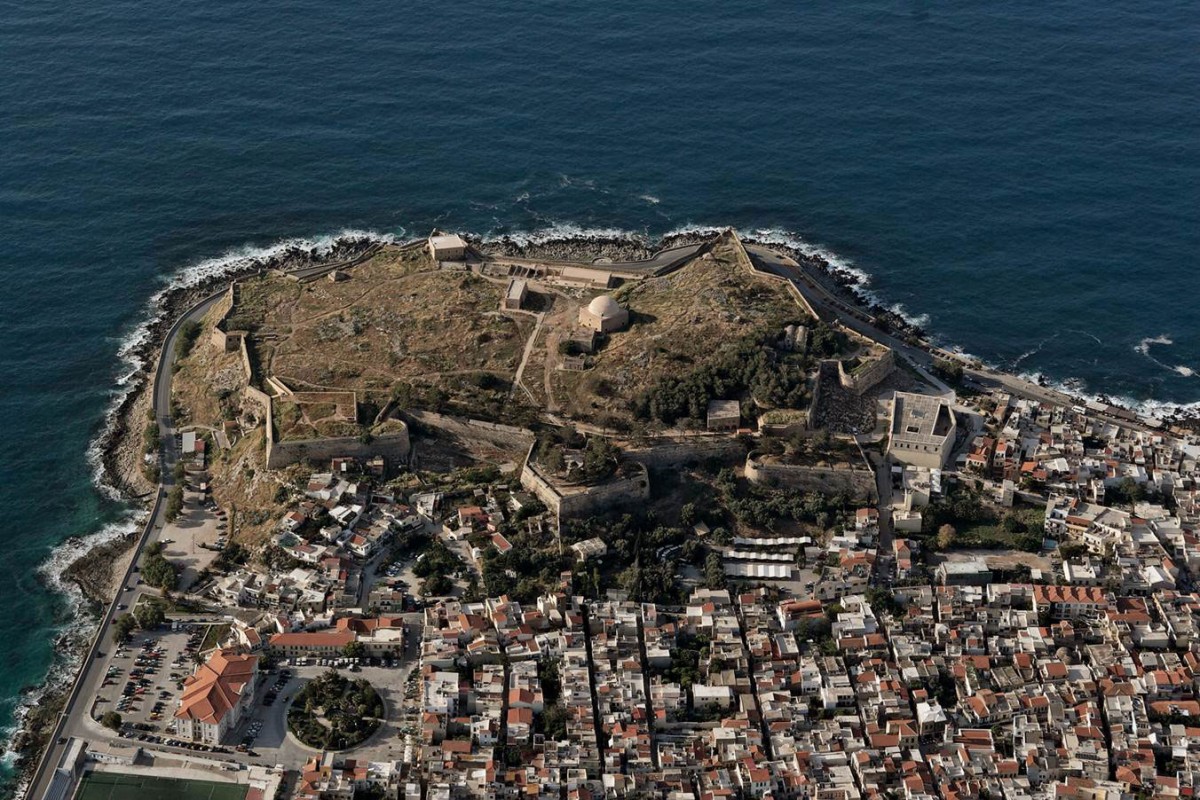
{"type": "Point", "coordinates": [120, 452]}
{"type": "Point", "coordinates": [589, 248]}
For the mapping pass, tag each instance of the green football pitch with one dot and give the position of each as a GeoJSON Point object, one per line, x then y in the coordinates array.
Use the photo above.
{"type": "Point", "coordinates": [113, 786]}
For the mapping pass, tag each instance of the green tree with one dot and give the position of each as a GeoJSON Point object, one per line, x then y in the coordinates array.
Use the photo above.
{"type": "Point", "coordinates": [111, 719]}
{"type": "Point", "coordinates": [946, 536]}
{"type": "Point", "coordinates": [189, 331]}
{"type": "Point", "coordinates": [174, 503]}
{"type": "Point", "coordinates": [149, 615]}
{"type": "Point", "coordinates": [556, 462]}
{"type": "Point", "coordinates": [122, 627]}
{"type": "Point", "coordinates": [714, 571]}
{"type": "Point", "coordinates": [354, 649]}
{"type": "Point", "coordinates": [599, 459]}
{"type": "Point", "coordinates": [158, 572]}
{"type": "Point", "coordinates": [437, 585]}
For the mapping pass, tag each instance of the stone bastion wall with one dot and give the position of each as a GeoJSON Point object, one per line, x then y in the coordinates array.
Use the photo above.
{"type": "Point", "coordinates": [394, 445]}
{"type": "Point", "coordinates": [574, 501]}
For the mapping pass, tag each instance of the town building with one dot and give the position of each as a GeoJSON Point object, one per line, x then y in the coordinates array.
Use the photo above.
{"type": "Point", "coordinates": [724, 415]}
{"type": "Point", "coordinates": [447, 247]}
{"type": "Point", "coordinates": [216, 696]}
{"type": "Point", "coordinates": [515, 294]}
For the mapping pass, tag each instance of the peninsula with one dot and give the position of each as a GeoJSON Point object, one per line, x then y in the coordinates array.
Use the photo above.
{"type": "Point", "coordinates": [453, 518]}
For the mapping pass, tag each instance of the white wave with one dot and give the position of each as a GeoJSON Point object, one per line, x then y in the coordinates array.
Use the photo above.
{"type": "Point", "coordinates": [558, 231]}
{"type": "Point", "coordinates": [1143, 346]}
{"type": "Point", "coordinates": [1155, 409]}
{"type": "Point", "coordinates": [77, 631]}
{"type": "Point", "coordinates": [649, 198]}
{"type": "Point", "coordinates": [566, 181]}
{"type": "Point", "coordinates": [920, 320]}
{"type": "Point", "coordinates": [1092, 336]}
{"type": "Point", "coordinates": [72, 549]}
{"type": "Point", "coordinates": [691, 229]}
{"type": "Point", "coordinates": [858, 278]}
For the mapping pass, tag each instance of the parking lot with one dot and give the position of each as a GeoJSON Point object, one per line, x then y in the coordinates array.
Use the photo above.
{"type": "Point", "coordinates": [144, 677]}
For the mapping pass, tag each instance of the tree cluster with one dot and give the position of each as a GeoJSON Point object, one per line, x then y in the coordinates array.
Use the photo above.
{"type": "Point", "coordinates": [174, 503]}
{"type": "Point", "coordinates": [747, 366]}
{"type": "Point", "coordinates": [352, 709]}
{"type": "Point", "coordinates": [189, 332]}
{"type": "Point", "coordinates": [157, 570]}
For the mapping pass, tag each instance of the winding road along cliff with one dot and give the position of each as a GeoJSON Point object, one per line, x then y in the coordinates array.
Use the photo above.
{"type": "Point", "coordinates": [74, 720]}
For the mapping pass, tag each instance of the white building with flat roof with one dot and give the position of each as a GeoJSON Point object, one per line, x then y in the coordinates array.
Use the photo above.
{"type": "Point", "coordinates": [447, 247]}
{"type": "Point", "coordinates": [515, 294]}
{"type": "Point", "coordinates": [922, 430]}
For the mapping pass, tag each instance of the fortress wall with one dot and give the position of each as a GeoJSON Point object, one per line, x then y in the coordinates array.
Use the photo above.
{"type": "Point", "coordinates": [858, 483]}
{"type": "Point", "coordinates": [594, 499]}
{"type": "Point", "coordinates": [627, 491]}
{"type": "Point", "coordinates": [533, 481]}
{"type": "Point", "coordinates": [677, 453]}
{"type": "Point", "coordinates": [260, 397]}
{"type": "Point", "coordinates": [244, 352]}
{"type": "Point", "coordinates": [816, 395]}
{"type": "Point", "coordinates": [502, 437]}
{"type": "Point", "coordinates": [869, 374]}
{"type": "Point", "coordinates": [393, 446]}
{"type": "Point", "coordinates": [799, 297]}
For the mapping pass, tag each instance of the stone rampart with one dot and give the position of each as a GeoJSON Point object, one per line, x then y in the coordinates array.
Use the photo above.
{"type": "Point", "coordinates": [868, 374]}
{"type": "Point", "coordinates": [858, 482]}
{"type": "Point", "coordinates": [502, 437]}
{"type": "Point", "coordinates": [574, 501]}
{"type": "Point", "coordinates": [393, 446]}
{"type": "Point", "coordinates": [674, 452]}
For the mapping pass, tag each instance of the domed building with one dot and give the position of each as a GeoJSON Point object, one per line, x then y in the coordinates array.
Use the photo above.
{"type": "Point", "coordinates": [604, 315]}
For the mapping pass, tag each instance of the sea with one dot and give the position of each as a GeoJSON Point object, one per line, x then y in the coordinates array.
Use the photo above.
{"type": "Point", "coordinates": [1021, 178]}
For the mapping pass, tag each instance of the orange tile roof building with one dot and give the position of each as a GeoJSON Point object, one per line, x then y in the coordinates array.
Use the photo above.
{"type": "Point", "coordinates": [216, 696]}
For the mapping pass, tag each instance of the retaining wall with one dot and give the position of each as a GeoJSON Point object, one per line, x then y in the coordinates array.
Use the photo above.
{"type": "Point", "coordinates": [677, 453]}
{"type": "Point", "coordinates": [503, 437]}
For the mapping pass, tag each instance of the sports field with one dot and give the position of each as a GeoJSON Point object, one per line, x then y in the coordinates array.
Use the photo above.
{"type": "Point", "coordinates": [113, 786]}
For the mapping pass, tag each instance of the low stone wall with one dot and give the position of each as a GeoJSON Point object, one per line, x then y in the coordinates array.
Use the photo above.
{"type": "Point", "coordinates": [393, 446]}
{"type": "Point", "coordinates": [858, 483]}
{"type": "Point", "coordinates": [260, 397]}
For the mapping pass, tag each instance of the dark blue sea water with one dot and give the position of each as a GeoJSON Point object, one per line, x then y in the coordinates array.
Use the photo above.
{"type": "Point", "coordinates": [1024, 177]}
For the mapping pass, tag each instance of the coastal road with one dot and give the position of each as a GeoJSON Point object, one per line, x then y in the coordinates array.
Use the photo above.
{"type": "Point", "coordinates": [75, 720]}
{"type": "Point", "coordinates": [830, 306]}
{"type": "Point", "coordinates": [828, 303]}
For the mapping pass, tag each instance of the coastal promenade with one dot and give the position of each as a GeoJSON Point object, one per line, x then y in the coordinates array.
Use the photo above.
{"type": "Point", "coordinates": [75, 719]}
